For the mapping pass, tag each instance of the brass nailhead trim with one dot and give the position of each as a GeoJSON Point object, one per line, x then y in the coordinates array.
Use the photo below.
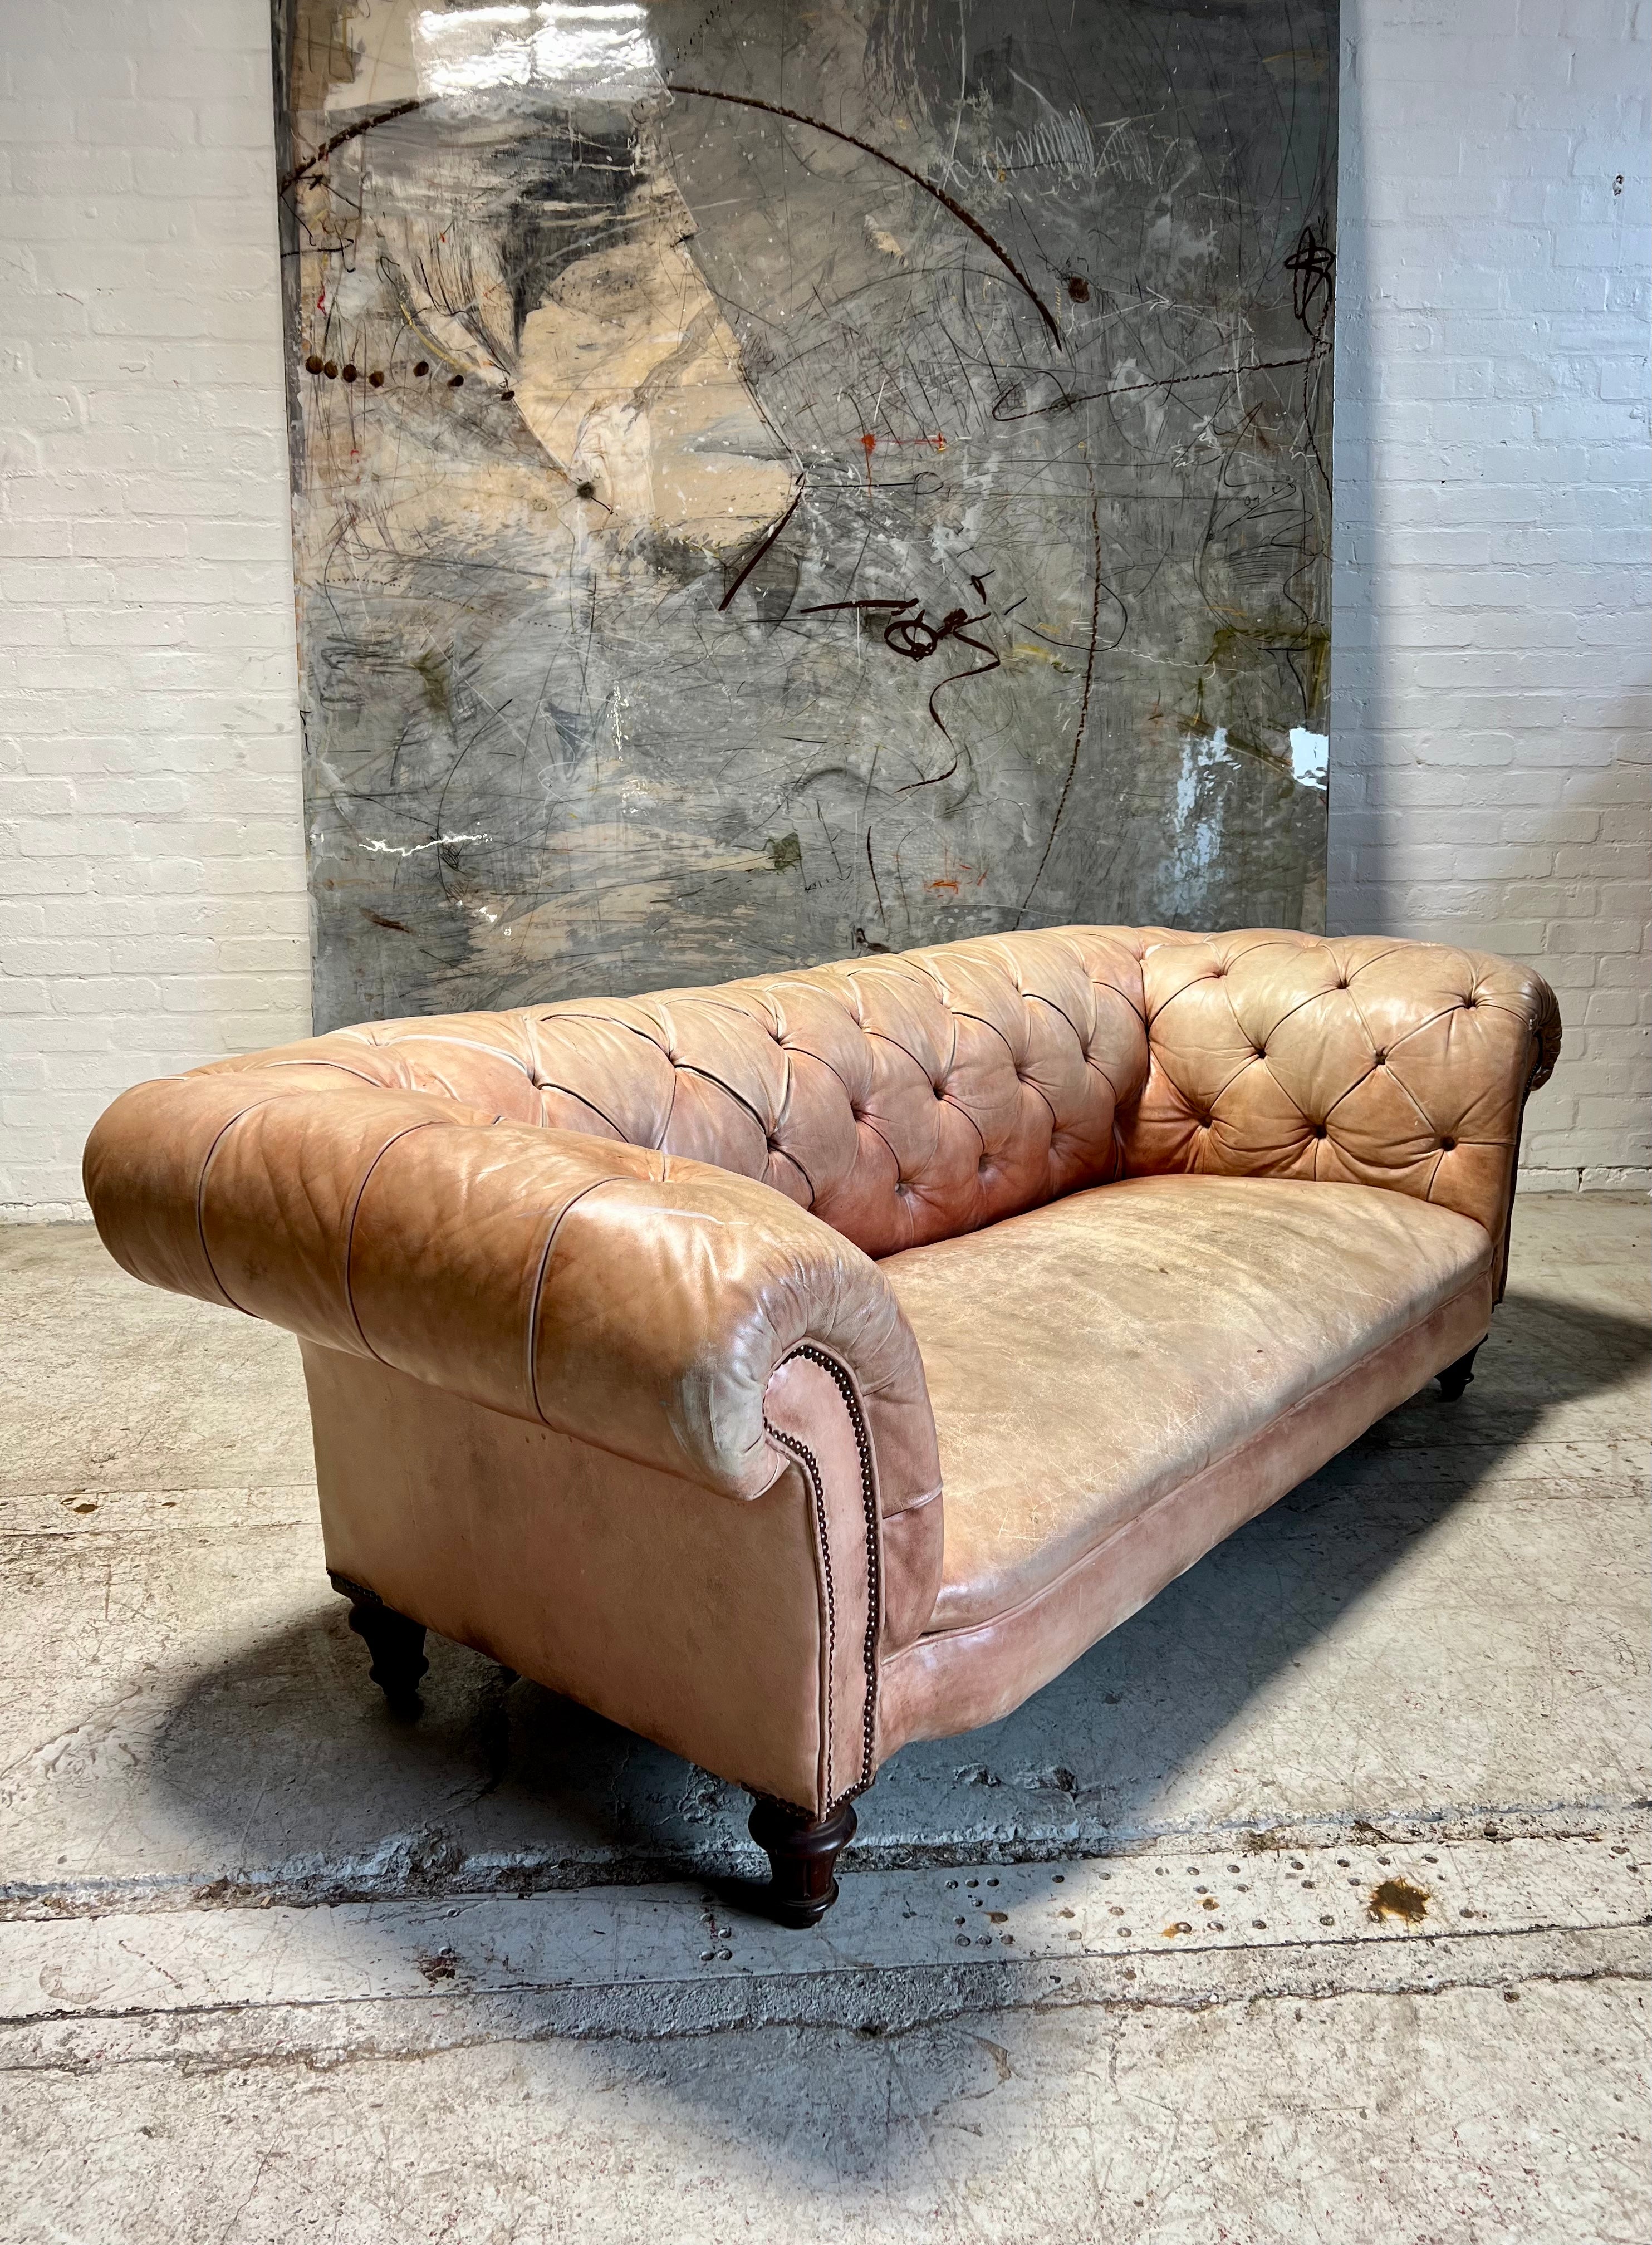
{"type": "Point", "coordinates": [874, 1583]}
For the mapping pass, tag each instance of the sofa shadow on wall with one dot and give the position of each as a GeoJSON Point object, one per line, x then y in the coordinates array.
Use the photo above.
{"type": "Point", "coordinates": [303, 1788]}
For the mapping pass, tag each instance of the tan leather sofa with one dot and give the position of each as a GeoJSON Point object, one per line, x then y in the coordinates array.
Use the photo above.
{"type": "Point", "coordinates": [790, 1369]}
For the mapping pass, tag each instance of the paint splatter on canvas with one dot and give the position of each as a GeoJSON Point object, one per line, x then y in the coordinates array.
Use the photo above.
{"type": "Point", "coordinates": [778, 482]}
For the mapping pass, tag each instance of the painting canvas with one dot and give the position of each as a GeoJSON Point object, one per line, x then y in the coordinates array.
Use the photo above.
{"type": "Point", "coordinates": [778, 482]}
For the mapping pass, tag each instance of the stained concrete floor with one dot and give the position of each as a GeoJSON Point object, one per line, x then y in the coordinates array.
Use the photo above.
{"type": "Point", "coordinates": [1310, 1905]}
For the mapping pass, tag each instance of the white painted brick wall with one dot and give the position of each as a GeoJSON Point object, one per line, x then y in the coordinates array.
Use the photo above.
{"type": "Point", "coordinates": [1492, 626]}
{"type": "Point", "coordinates": [1492, 632]}
{"type": "Point", "coordinates": [152, 911]}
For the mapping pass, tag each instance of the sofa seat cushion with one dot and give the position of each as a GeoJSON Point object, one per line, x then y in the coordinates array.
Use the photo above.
{"type": "Point", "coordinates": [1090, 1357]}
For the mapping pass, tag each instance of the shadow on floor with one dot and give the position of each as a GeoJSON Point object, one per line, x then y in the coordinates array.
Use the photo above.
{"type": "Point", "coordinates": [285, 1761]}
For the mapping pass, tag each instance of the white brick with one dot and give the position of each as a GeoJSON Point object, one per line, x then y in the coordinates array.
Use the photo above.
{"type": "Point", "coordinates": [71, 172]}
{"type": "Point", "coordinates": [149, 817]}
{"type": "Point", "coordinates": [1492, 583]}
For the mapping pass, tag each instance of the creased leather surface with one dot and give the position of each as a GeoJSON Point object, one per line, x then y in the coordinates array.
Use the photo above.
{"type": "Point", "coordinates": [901, 1099]}
{"type": "Point", "coordinates": [635, 1300]}
{"type": "Point", "coordinates": [1086, 1358]}
{"type": "Point", "coordinates": [693, 1621]}
{"type": "Point", "coordinates": [1360, 1060]}
{"type": "Point", "coordinates": [951, 1680]}
{"type": "Point", "coordinates": [910, 1098]}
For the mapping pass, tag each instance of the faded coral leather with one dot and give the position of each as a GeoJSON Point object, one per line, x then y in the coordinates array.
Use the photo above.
{"type": "Point", "coordinates": [629, 1297]}
{"type": "Point", "coordinates": [900, 1099]}
{"type": "Point", "coordinates": [951, 1680]}
{"type": "Point", "coordinates": [662, 1605]}
{"type": "Point", "coordinates": [928, 1094]}
{"type": "Point", "coordinates": [1363, 1060]}
{"type": "Point", "coordinates": [565, 1214]}
{"type": "Point", "coordinates": [1122, 1341]}
{"type": "Point", "coordinates": [910, 1098]}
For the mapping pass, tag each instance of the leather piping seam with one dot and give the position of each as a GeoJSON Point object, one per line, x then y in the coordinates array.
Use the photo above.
{"type": "Point", "coordinates": [540, 1277]}
{"type": "Point", "coordinates": [917, 1502]}
{"type": "Point", "coordinates": [310, 1059]}
{"type": "Point", "coordinates": [810, 1463]}
{"type": "Point", "coordinates": [1046, 1590]}
{"type": "Point", "coordinates": [845, 1387]}
{"type": "Point", "coordinates": [349, 1229]}
{"type": "Point", "coordinates": [1534, 1081]}
{"type": "Point", "coordinates": [201, 1199]}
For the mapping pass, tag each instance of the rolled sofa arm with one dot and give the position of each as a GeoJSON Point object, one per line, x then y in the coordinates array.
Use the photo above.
{"type": "Point", "coordinates": [638, 1302]}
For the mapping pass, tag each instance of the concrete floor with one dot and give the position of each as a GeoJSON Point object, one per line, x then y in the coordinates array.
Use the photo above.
{"type": "Point", "coordinates": [1310, 1905]}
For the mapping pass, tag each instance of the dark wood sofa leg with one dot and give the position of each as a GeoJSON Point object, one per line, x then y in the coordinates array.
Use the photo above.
{"type": "Point", "coordinates": [1457, 1376]}
{"type": "Point", "coordinates": [396, 1642]}
{"type": "Point", "coordinates": [802, 1857]}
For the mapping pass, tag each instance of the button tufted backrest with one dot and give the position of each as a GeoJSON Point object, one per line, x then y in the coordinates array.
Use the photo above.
{"type": "Point", "coordinates": [1357, 1060]}
{"type": "Point", "coordinates": [907, 1098]}
{"type": "Point", "coordinates": [902, 1098]}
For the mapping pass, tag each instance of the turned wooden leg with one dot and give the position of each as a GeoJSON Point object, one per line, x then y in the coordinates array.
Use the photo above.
{"type": "Point", "coordinates": [396, 1642]}
{"type": "Point", "coordinates": [802, 1857]}
{"type": "Point", "coordinates": [1457, 1376]}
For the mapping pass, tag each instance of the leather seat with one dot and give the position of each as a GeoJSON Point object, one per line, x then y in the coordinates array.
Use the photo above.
{"type": "Point", "coordinates": [1089, 1358]}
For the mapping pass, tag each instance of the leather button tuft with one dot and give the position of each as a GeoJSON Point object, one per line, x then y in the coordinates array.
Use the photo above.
{"type": "Point", "coordinates": [1448, 1145]}
{"type": "Point", "coordinates": [1380, 1059]}
{"type": "Point", "coordinates": [1319, 1130]}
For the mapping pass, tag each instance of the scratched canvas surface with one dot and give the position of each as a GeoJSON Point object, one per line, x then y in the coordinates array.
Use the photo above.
{"type": "Point", "coordinates": [773, 483]}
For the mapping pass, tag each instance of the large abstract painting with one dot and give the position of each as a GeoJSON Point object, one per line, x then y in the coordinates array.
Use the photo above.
{"type": "Point", "coordinates": [773, 482]}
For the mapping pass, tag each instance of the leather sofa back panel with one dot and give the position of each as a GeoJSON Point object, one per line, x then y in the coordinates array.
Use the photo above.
{"type": "Point", "coordinates": [911, 1098]}
{"type": "Point", "coordinates": [901, 1099]}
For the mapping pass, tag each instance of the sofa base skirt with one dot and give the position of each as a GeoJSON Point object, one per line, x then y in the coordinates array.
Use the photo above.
{"type": "Point", "coordinates": [954, 1680]}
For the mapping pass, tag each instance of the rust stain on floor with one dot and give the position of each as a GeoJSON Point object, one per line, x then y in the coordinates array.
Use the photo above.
{"type": "Point", "coordinates": [1399, 1898]}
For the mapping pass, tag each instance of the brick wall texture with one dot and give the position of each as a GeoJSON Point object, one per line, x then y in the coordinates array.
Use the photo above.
{"type": "Point", "coordinates": [152, 909]}
{"type": "Point", "coordinates": [1493, 646]}
{"type": "Point", "coordinates": [1489, 781]}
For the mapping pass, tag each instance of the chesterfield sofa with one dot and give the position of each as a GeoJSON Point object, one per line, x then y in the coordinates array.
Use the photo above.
{"type": "Point", "coordinates": [795, 1368]}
